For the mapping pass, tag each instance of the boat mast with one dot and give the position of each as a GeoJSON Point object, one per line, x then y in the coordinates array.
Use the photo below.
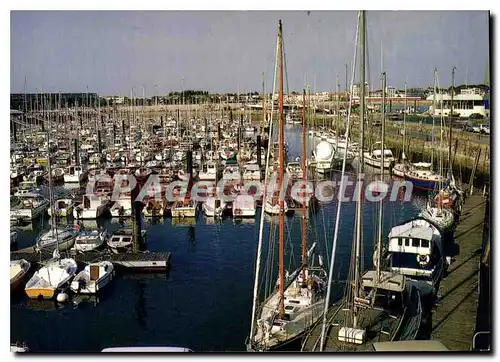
{"type": "Point", "coordinates": [263, 123]}
{"type": "Point", "coordinates": [381, 207]}
{"type": "Point", "coordinates": [338, 105]}
{"type": "Point", "coordinates": [281, 176]}
{"type": "Point", "coordinates": [264, 200]}
{"type": "Point", "coordinates": [403, 157]}
{"type": "Point", "coordinates": [451, 118]}
{"type": "Point", "coordinates": [434, 114]}
{"type": "Point", "coordinates": [359, 214]}
{"type": "Point", "coordinates": [304, 179]}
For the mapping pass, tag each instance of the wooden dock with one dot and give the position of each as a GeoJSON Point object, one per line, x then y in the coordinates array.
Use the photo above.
{"type": "Point", "coordinates": [454, 315]}
{"type": "Point", "coordinates": [142, 261]}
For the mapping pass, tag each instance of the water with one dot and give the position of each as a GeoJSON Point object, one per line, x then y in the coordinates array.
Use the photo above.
{"type": "Point", "coordinates": [204, 302]}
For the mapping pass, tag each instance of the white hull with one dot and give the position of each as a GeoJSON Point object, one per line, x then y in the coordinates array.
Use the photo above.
{"type": "Point", "coordinates": [399, 170]}
{"type": "Point", "coordinates": [89, 214]}
{"type": "Point", "coordinates": [377, 163]}
{"type": "Point", "coordinates": [208, 208]}
{"type": "Point", "coordinates": [83, 283]}
{"type": "Point", "coordinates": [29, 214]}
{"type": "Point", "coordinates": [183, 211]}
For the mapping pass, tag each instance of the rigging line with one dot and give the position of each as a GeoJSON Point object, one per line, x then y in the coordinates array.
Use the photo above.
{"type": "Point", "coordinates": [261, 226]}
{"type": "Point", "coordinates": [339, 204]}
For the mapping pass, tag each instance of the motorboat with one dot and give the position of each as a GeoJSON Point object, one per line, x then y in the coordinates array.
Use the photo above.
{"type": "Point", "coordinates": [93, 278]}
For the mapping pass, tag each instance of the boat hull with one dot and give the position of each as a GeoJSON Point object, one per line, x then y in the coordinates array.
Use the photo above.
{"type": "Point", "coordinates": [36, 293]}
{"type": "Point", "coordinates": [422, 184]}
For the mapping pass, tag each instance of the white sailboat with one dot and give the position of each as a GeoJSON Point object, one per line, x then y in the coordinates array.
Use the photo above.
{"type": "Point", "coordinates": [50, 279]}
{"type": "Point", "coordinates": [297, 301]}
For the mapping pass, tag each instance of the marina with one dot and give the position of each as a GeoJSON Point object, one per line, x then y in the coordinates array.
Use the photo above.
{"type": "Point", "coordinates": [258, 221]}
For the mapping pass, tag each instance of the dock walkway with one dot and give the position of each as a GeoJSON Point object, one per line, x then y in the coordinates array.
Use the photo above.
{"type": "Point", "coordinates": [454, 315]}
{"type": "Point", "coordinates": [142, 261]}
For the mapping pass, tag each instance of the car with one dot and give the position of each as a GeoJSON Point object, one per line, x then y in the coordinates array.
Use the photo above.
{"type": "Point", "coordinates": [468, 127]}
{"type": "Point", "coordinates": [476, 116]}
{"type": "Point", "coordinates": [485, 129]}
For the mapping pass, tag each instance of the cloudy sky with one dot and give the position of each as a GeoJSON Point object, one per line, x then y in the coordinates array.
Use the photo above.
{"type": "Point", "coordinates": [111, 52]}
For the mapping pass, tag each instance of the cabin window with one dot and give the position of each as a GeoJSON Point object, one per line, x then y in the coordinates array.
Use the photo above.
{"type": "Point", "coordinates": [115, 239]}
{"type": "Point", "coordinates": [424, 243]}
{"type": "Point", "coordinates": [293, 301]}
{"type": "Point", "coordinates": [400, 241]}
{"type": "Point", "coordinates": [288, 307]}
{"type": "Point", "coordinates": [407, 242]}
{"type": "Point", "coordinates": [415, 243]}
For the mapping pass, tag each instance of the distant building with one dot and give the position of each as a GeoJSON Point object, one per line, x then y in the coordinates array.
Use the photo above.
{"type": "Point", "coordinates": [115, 99]}
{"type": "Point", "coordinates": [356, 90]}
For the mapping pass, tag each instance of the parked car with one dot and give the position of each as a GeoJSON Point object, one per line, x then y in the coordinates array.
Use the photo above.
{"type": "Point", "coordinates": [485, 129]}
{"type": "Point", "coordinates": [476, 116]}
{"type": "Point", "coordinates": [468, 127]}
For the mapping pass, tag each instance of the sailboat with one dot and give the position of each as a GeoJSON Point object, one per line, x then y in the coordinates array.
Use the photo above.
{"type": "Point", "coordinates": [421, 174]}
{"type": "Point", "coordinates": [401, 168]}
{"type": "Point", "coordinates": [297, 301]}
{"type": "Point", "coordinates": [56, 274]}
{"type": "Point", "coordinates": [51, 278]}
{"type": "Point", "coordinates": [378, 305]}
{"type": "Point", "coordinates": [435, 209]}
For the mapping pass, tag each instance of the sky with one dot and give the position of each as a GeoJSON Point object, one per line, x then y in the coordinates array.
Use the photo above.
{"type": "Point", "coordinates": [115, 52]}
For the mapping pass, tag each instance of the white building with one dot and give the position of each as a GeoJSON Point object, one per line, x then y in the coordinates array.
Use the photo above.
{"type": "Point", "coordinates": [468, 102]}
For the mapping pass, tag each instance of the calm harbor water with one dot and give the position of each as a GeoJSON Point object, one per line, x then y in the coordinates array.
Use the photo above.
{"type": "Point", "coordinates": [204, 302]}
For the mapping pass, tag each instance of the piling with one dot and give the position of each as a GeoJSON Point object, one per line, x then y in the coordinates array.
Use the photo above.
{"type": "Point", "coordinates": [259, 145]}
{"type": "Point", "coordinates": [239, 133]}
{"type": "Point", "coordinates": [77, 156]}
{"type": "Point", "coordinates": [471, 181]}
{"type": "Point", "coordinates": [99, 145]}
{"type": "Point", "coordinates": [189, 168]}
{"type": "Point", "coordinates": [14, 131]}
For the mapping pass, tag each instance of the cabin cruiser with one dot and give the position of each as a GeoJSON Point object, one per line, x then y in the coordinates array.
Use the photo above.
{"type": "Point", "coordinates": [28, 206]}
{"type": "Point", "coordinates": [294, 170]}
{"type": "Point", "coordinates": [88, 240]}
{"type": "Point", "coordinates": [208, 171]}
{"type": "Point", "coordinates": [93, 278]}
{"type": "Point", "coordinates": [92, 207]}
{"type": "Point", "coordinates": [122, 240]}
{"type": "Point", "coordinates": [74, 174]}
{"type": "Point", "coordinates": [374, 157]}
{"type": "Point", "coordinates": [416, 250]}
{"type": "Point", "coordinates": [231, 173]}
{"type": "Point", "coordinates": [244, 206]}
{"type": "Point", "coordinates": [251, 172]}
{"type": "Point", "coordinates": [62, 208]}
